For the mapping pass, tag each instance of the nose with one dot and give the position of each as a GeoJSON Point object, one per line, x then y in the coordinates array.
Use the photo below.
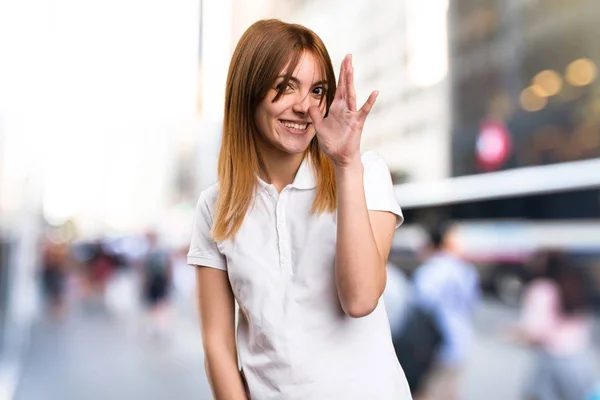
{"type": "Point", "coordinates": [302, 103]}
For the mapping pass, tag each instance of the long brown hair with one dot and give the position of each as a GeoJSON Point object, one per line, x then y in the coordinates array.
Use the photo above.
{"type": "Point", "coordinates": [262, 53]}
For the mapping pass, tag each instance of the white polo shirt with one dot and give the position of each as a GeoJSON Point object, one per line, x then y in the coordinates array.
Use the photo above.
{"type": "Point", "coordinates": [294, 340]}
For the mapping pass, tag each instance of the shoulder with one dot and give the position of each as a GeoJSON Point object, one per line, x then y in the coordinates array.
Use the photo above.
{"type": "Point", "coordinates": [208, 196]}
{"type": "Point", "coordinates": [379, 187]}
{"type": "Point", "coordinates": [466, 265]}
{"type": "Point", "coordinates": [207, 200]}
{"type": "Point", "coordinates": [374, 166]}
{"type": "Point", "coordinates": [427, 266]}
{"type": "Point", "coordinates": [435, 267]}
{"type": "Point", "coordinates": [370, 157]}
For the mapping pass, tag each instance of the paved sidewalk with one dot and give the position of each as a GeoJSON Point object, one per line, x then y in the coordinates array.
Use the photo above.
{"type": "Point", "coordinates": [96, 356]}
{"type": "Point", "coordinates": [93, 355]}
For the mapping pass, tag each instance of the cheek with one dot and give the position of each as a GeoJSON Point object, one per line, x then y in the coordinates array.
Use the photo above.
{"type": "Point", "coordinates": [311, 133]}
{"type": "Point", "coordinates": [263, 122]}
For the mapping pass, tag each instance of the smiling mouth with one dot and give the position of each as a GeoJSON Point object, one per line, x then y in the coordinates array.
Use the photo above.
{"type": "Point", "coordinates": [295, 127]}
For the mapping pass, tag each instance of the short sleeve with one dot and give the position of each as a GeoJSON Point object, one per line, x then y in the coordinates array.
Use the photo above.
{"type": "Point", "coordinates": [203, 249]}
{"type": "Point", "coordinates": [379, 189]}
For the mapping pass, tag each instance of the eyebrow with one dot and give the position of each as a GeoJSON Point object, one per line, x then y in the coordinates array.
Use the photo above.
{"type": "Point", "coordinates": [295, 80]}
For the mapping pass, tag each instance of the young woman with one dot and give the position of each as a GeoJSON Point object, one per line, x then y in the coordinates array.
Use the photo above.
{"type": "Point", "coordinates": [297, 231]}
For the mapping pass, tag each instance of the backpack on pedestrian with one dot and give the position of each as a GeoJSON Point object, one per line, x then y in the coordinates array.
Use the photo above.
{"type": "Point", "coordinates": [417, 345]}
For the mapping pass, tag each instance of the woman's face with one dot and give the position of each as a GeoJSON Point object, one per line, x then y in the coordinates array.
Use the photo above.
{"type": "Point", "coordinates": [284, 125]}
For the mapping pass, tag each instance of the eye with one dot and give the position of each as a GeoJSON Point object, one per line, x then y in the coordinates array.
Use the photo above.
{"type": "Point", "coordinates": [319, 91]}
{"type": "Point", "coordinates": [283, 88]}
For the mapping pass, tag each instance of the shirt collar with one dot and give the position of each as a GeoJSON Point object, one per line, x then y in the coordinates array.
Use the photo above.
{"type": "Point", "coordinates": [305, 177]}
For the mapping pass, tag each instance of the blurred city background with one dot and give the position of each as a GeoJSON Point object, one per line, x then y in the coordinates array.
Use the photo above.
{"type": "Point", "coordinates": [110, 115]}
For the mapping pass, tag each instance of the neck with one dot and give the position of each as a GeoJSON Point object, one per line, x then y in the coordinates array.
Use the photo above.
{"type": "Point", "coordinates": [280, 168]}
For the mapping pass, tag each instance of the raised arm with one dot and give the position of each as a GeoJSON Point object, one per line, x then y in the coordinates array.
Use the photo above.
{"type": "Point", "coordinates": [217, 318]}
{"type": "Point", "coordinates": [363, 244]}
{"type": "Point", "coordinates": [363, 237]}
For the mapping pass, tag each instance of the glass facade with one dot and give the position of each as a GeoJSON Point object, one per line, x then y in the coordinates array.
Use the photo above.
{"type": "Point", "coordinates": [529, 69]}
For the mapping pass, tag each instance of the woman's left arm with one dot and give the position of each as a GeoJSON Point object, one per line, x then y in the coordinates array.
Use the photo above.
{"type": "Point", "coordinates": [363, 237]}
{"type": "Point", "coordinates": [363, 244]}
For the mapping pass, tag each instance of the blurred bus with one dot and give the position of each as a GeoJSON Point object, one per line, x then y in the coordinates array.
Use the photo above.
{"type": "Point", "coordinates": [504, 218]}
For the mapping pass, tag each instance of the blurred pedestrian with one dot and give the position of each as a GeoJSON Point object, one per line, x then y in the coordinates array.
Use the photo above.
{"type": "Point", "coordinates": [396, 296]}
{"type": "Point", "coordinates": [556, 322]}
{"type": "Point", "coordinates": [157, 276]}
{"type": "Point", "coordinates": [447, 287]}
{"type": "Point", "coordinates": [184, 282]}
{"type": "Point", "coordinates": [100, 268]}
{"type": "Point", "coordinates": [55, 257]}
{"type": "Point", "coordinates": [297, 230]}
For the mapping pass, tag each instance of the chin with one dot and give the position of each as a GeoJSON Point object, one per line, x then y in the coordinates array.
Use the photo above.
{"type": "Point", "coordinates": [288, 144]}
{"type": "Point", "coordinates": [295, 148]}
{"type": "Point", "coordinates": [293, 151]}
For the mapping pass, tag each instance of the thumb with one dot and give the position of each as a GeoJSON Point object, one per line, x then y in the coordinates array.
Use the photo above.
{"type": "Point", "coordinates": [315, 114]}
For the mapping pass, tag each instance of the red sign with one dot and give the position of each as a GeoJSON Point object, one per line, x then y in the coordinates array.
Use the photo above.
{"type": "Point", "coordinates": [493, 145]}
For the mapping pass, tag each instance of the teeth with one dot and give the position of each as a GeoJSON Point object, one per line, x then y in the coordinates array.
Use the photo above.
{"type": "Point", "coordinates": [293, 125]}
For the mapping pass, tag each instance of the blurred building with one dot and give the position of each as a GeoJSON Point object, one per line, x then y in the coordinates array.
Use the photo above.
{"type": "Point", "coordinates": [20, 181]}
{"type": "Point", "coordinates": [530, 66]}
{"type": "Point", "coordinates": [99, 111]}
{"type": "Point", "coordinates": [525, 93]}
{"type": "Point", "coordinates": [525, 100]}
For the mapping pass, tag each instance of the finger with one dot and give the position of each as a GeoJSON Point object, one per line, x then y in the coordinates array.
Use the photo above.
{"type": "Point", "coordinates": [340, 91]}
{"type": "Point", "coordinates": [366, 108]}
{"type": "Point", "coordinates": [315, 115]}
{"type": "Point", "coordinates": [350, 93]}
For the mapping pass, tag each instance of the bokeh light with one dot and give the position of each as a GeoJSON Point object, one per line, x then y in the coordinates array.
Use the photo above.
{"type": "Point", "coordinates": [581, 72]}
{"type": "Point", "coordinates": [549, 81]}
{"type": "Point", "coordinates": [531, 101]}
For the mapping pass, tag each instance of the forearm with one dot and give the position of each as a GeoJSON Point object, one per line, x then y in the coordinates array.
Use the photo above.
{"type": "Point", "coordinates": [359, 268]}
{"type": "Point", "coordinates": [216, 306]}
{"type": "Point", "coordinates": [223, 374]}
